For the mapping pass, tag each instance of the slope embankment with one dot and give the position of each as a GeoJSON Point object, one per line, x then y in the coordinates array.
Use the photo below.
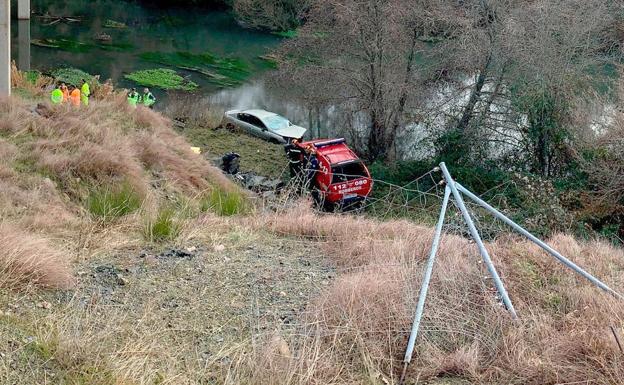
{"type": "Point", "coordinates": [128, 259]}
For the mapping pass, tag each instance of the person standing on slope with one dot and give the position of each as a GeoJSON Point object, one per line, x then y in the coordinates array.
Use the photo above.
{"type": "Point", "coordinates": [133, 98]}
{"type": "Point", "coordinates": [65, 91]}
{"type": "Point", "coordinates": [75, 96]}
{"type": "Point", "coordinates": [148, 98]}
{"type": "Point", "coordinates": [85, 92]}
{"type": "Point", "coordinates": [56, 96]}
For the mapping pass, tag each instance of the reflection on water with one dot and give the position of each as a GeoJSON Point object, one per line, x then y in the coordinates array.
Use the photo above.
{"type": "Point", "coordinates": [23, 51]}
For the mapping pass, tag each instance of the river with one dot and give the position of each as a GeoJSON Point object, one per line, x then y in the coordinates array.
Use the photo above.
{"type": "Point", "coordinates": [149, 29]}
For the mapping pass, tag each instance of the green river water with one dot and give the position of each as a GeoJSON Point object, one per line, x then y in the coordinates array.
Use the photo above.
{"type": "Point", "coordinates": [147, 29]}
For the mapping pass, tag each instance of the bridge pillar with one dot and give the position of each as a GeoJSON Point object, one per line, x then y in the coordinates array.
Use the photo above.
{"type": "Point", "coordinates": [5, 48]}
{"type": "Point", "coordinates": [23, 9]}
{"type": "Point", "coordinates": [23, 39]}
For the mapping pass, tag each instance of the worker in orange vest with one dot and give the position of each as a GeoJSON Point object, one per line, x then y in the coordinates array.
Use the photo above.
{"type": "Point", "coordinates": [65, 92]}
{"type": "Point", "coordinates": [75, 96]}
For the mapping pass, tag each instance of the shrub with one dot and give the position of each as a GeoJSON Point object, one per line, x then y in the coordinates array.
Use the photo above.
{"type": "Point", "coordinates": [225, 203]}
{"type": "Point", "coordinates": [109, 202]}
{"type": "Point", "coordinates": [164, 227]}
{"type": "Point", "coordinates": [73, 76]}
{"type": "Point", "coordinates": [272, 15]}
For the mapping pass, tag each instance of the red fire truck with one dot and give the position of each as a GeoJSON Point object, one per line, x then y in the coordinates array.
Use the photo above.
{"type": "Point", "coordinates": [339, 178]}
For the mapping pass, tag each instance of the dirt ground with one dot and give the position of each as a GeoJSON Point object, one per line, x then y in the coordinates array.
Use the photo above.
{"type": "Point", "coordinates": [190, 303]}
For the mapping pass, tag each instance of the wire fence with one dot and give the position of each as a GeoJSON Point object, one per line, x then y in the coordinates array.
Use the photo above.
{"type": "Point", "coordinates": [418, 201]}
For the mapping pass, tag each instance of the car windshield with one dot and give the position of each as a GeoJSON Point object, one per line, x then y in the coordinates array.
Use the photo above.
{"type": "Point", "coordinates": [276, 122]}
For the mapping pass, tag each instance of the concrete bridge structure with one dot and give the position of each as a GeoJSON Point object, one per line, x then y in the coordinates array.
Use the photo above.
{"type": "Point", "coordinates": [23, 15]}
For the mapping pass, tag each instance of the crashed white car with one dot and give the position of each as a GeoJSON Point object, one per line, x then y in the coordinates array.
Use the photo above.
{"type": "Point", "coordinates": [265, 124]}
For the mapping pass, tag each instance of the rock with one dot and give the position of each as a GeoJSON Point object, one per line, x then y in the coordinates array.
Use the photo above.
{"type": "Point", "coordinates": [43, 110]}
{"type": "Point", "coordinates": [176, 253]}
{"type": "Point", "coordinates": [260, 184]}
{"type": "Point", "coordinates": [44, 305]}
{"type": "Point", "coordinates": [121, 280]}
{"type": "Point", "coordinates": [219, 248]}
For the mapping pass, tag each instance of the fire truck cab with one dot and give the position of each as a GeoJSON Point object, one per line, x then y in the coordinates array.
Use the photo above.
{"type": "Point", "coordinates": [341, 179]}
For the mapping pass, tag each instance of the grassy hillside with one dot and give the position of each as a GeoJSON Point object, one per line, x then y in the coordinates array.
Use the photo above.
{"type": "Point", "coordinates": [128, 259]}
{"type": "Point", "coordinates": [65, 170]}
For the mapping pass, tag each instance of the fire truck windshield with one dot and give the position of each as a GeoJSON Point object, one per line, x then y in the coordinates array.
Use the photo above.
{"type": "Point", "coordinates": [348, 171]}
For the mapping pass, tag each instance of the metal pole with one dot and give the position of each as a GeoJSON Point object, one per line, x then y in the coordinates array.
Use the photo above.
{"type": "Point", "coordinates": [538, 242]}
{"type": "Point", "coordinates": [5, 48]}
{"type": "Point", "coordinates": [425, 284]}
{"type": "Point", "coordinates": [477, 238]}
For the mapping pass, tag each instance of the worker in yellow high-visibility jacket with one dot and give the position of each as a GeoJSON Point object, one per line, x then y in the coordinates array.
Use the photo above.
{"type": "Point", "coordinates": [57, 96]}
{"type": "Point", "coordinates": [85, 92]}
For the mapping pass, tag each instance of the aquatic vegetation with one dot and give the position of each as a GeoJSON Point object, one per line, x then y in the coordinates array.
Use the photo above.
{"type": "Point", "coordinates": [114, 24]}
{"type": "Point", "coordinates": [269, 61]}
{"type": "Point", "coordinates": [223, 71]}
{"type": "Point", "coordinates": [163, 78]}
{"type": "Point", "coordinates": [73, 76]}
{"type": "Point", "coordinates": [70, 45]}
{"type": "Point", "coordinates": [290, 34]}
{"type": "Point", "coordinates": [75, 46]}
{"type": "Point", "coordinates": [117, 47]}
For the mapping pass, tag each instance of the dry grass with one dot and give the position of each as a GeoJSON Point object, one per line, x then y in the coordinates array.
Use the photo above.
{"type": "Point", "coordinates": [357, 331]}
{"type": "Point", "coordinates": [27, 259]}
{"type": "Point", "coordinates": [55, 162]}
{"type": "Point", "coordinates": [36, 89]}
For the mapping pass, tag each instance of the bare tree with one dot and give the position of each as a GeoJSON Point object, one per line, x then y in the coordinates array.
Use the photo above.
{"type": "Point", "coordinates": [276, 15]}
{"type": "Point", "coordinates": [530, 63]}
{"type": "Point", "coordinates": [361, 57]}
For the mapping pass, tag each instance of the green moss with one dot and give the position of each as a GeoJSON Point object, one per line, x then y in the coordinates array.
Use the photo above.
{"type": "Point", "coordinates": [73, 76]}
{"type": "Point", "coordinates": [163, 78]}
{"type": "Point", "coordinates": [108, 202]}
{"type": "Point", "coordinates": [223, 71]}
